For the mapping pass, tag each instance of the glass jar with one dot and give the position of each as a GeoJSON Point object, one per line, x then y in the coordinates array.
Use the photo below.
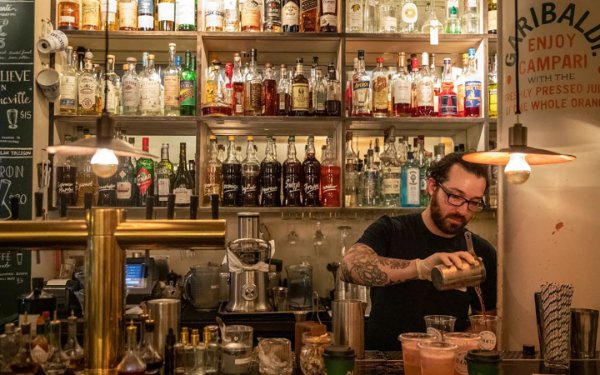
{"type": "Point", "coordinates": [311, 355]}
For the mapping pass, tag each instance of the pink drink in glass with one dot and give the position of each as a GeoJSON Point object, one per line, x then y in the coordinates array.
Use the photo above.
{"type": "Point", "coordinates": [437, 358]}
{"type": "Point", "coordinates": [410, 352]}
{"type": "Point", "coordinates": [465, 342]}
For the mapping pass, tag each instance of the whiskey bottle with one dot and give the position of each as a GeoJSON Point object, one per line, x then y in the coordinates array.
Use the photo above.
{"type": "Point", "coordinates": [269, 86]}
{"type": "Point", "coordinates": [131, 89]}
{"type": "Point", "coordinates": [68, 15]}
{"type": "Point", "coordinates": [401, 89]}
{"type": "Point", "coordinates": [300, 91]}
{"type": "Point", "coordinates": [333, 104]}
{"type": "Point", "coordinates": [164, 176]}
{"type": "Point", "coordinates": [311, 171]}
{"type": "Point", "coordinates": [354, 16]}
{"type": "Point", "coordinates": [361, 89]}
{"type": "Point", "coordinates": [131, 364]}
{"type": "Point", "coordinates": [308, 15]}
{"type": "Point", "coordinates": [144, 175]}
{"type": "Point", "coordinates": [87, 88]}
{"type": "Point", "coordinates": [166, 15]}
{"type": "Point", "coordinates": [290, 16]}
{"type": "Point", "coordinates": [128, 15]}
{"type": "Point", "coordinates": [68, 85]}
{"type": "Point", "coordinates": [448, 99]}
{"type": "Point", "coordinates": [253, 88]}
{"type": "Point", "coordinates": [108, 15]}
{"type": "Point", "coordinates": [187, 90]}
{"type": "Point", "coordinates": [251, 16]}
{"type": "Point", "coordinates": [232, 174]}
{"type": "Point", "coordinates": [90, 15]}
{"type": "Point", "coordinates": [330, 177]}
{"type": "Point", "coordinates": [283, 92]}
{"type": "Point", "coordinates": [380, 90]}
{"type": "Point", "coordinates": [150, 85]}
{"type": "Point", "coordinates": [472, 88]}
{"type": "Point", "coordinates": [328, 16]}
{"type": "Point", "coordinates": [182, 183]}
{"type": "Point", "coordinates": [171, 85]}
{"type": "Point", "coordinates": [213, 176]}
{"type": "Point", "coordinates": [250, 176]}
{"type": "Point", "coordinates": [272, 12]}
{"type": "Point", "coordinates": [214, 15]}
{"type": "Point", "coordinates": [237, 103]}
{"type": "Point", "coordinates": [185, 15]}
{"type": "Point", "coordinates": [292, 177]}
{"type": "Point", "coordinates": [145, 15]}
{"type": "Point", "coordinates": [232, 16]}
{"type": "Point", "coordinates": [424, 86]}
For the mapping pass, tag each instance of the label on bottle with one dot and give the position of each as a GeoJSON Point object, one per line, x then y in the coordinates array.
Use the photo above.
{"type": "Point", "coordinates": [131, 92]}
{"type": "Point", "coordinates": [239, 102]}
{"type": "Point", "coordinates": [355, 16]}
{"type": "Point", "coordinates": [360, 93]}
{"type": "Point", "coordinates": [182, 195]}
{"type": "Point", "coordinates": [300, 97]}
{"type": "Point", "coordinates": [171, 93]}
{"type": "Point", "coordinates": [380, 89]}
{"type": "Point", "coordinates": [412, 186]}
{"type": "Point", "coordinates": [256, 95]}
{"type": "Point", "coordinates": [187, 93]}
{"type": "Point", "coordinates": [281, 97]}
{"type": "Point", "coordinates": [290, 14]}
{"type": "Point", "coordinates": [123, 190]}
{"type": "Point", "coordinates": [308, 5]}
{"type": "Point", "coordinates": [166, 12]}
{"type": "Point", "coordinates": [449, 105]}
{"type": "Point", "coordinates": [329, 6]}
{"type": "Point", "coordinates": [128, 14]}
{"type": "Point", "coordinates": [273, 11]}
{"type": "Point", "coordinates": [401, 92]}
{"type": "Point", "coordinates": [68, 92]}
{"type": "Point", "coordinates": [39, 354]}
{"type": "Point", "coordinates": [391, 180]}
{"type": "Point", "coordinates": [251, 14]}
{"type": "Point", "coordinates": [145, 7]}
{"type": "Point", "coordinates": [493, 102]}
{"type": "Point", "coordinates": [143, 180]}
{"type": "Point", "coordinates": [66, 187]}
{"type": "Point", "coordinates": [328, 20]}
{"type": "Point", "coordinates": [90, 13]}
{"type": "Point", "coordinates": [164, 187]}
{"type": "Point", "coordinates": [472, 94]}
{"type": "Point", "coordinates": [87, 91]}
{"type": "Point", "coordinates": [146, 22]}
{"type": "Point", "coordinates": [66, 19]}
{"type": "Point", "coordinates": [108, 8]}
{"type": "Point", "coordinates": [213, 15]}
{"type": "Point", "coordinates": [292, 185]}
{"type": "Point", "coordinates": [472, 3]}
{"type": "Point", "coordinates": [150, 95]}
{"type": "Point", "coordinates": [186, 12]}
{"type": "Point", "coordinates": [492, 20]}
{"type": "Point", "coordinates": [111, 98]}
{"type": "Point", "coordinates": [425, 95]}
{"type": "Point", "coordinates": [311, 189]}
{"type": "Point", "coordinates": [410, 13]}
{"type": "Point", "coordinates": [389, 24]}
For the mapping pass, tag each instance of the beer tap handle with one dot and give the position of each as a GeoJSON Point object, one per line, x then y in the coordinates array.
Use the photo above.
{"type": "Point", "coordinates": [63, 204]}
{"type": "Point", "coordinates": [149, 207]}
{"type": "Point", "coordinates": [194, 207]}
{"type": "Point", "coordinates": [39, 204]}
{"type": "Point", "coordinates": [88, 199]}
{"type": "Point", "coordinates": [171, 207]}
{"type": "Point", "coordinates": [214, 206]}
{"type": "Point", "coordinates": [14, 208]}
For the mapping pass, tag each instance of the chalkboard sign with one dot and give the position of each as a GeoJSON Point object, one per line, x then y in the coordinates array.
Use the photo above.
{"type": "Point", "coordinates": [17, 42]}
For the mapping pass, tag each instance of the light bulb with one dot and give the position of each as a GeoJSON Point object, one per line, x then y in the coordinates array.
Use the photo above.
{"type": "Point", "coordinates": [104, 163]}
{"type": "Point", "coordinates": [517, 170]}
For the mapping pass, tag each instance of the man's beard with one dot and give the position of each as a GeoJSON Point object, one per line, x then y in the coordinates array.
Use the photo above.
{"type": "Point", "coordinates": [441, 221]}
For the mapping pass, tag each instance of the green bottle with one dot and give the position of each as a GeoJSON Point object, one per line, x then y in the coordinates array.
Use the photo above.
{"type": "Point", "coordinates": [144, 174]}
{"type": "Point", "coordinates": [164, 176]}
{"type": "Point", "coordinates": [187, 87]}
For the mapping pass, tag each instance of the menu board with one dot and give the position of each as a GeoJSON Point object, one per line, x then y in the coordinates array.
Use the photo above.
{"type": "Point", "coordinates": [17, 42]}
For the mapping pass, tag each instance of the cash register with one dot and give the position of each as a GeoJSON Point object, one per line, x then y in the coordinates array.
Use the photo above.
{"type": "Point", "coordinates": [141, 277]}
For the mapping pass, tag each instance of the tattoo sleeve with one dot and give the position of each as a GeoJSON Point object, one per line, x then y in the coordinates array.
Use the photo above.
{"type": "Point", "coordinates": [361, 265]}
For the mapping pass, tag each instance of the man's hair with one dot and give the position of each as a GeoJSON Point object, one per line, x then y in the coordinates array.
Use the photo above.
{"type": "Point", "coordinates": [439, 171]}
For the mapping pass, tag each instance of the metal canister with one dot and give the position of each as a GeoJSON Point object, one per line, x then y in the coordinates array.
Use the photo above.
{"type": "Point", "coordinates": [450, 277]}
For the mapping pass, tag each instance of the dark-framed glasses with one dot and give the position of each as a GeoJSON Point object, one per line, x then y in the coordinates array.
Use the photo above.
{"type": "Point", "coordinates": [457, 201]}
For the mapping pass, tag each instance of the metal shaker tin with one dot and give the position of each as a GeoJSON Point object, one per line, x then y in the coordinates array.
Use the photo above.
{"type": "Point", "coordinates": [446, 278]}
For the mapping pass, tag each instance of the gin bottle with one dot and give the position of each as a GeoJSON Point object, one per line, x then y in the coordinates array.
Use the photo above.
{"type": "Point", "coordinates": [150, 84]}
{"type": "Point", "coordinates": [470, 18]}
{"type": "Point", "coordinates": [370, 16]}
{"type": "Point", "coordinates": [424, 88]}
{"type": "Point", "coordinates": [354, 16]}
{"type": "Point", "coordinates": [423, 164]}
{"type": "Point", "coordinates": [410, 193]}
{"type": "Point", "coordinates": [171, 84]}
{"type": "Point", "coordinates": [68, 85]}
{"type": "Point", "coordinates": [131, 89]}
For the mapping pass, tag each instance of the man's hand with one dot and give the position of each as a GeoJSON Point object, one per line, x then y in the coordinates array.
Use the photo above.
{"type": "Point", "coordinates": [458, 259]}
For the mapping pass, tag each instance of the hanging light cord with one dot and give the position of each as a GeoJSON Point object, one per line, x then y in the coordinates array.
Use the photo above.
{"type": "Point", "coordinates": [518, 98]}
{"type": "Point", "coordinates": [106, 60]}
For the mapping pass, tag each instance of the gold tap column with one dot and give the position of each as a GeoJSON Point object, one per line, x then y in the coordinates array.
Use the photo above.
{"type": "Point", "coordinates": [104, 292]}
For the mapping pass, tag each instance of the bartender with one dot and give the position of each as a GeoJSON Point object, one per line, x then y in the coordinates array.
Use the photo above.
{"type": "Point", "coordinates": [395, 256]}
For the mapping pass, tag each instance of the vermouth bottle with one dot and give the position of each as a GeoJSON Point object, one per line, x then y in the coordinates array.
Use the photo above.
{"type": "Point", "coordinates": [250, 176]}
{"type": "Point", "coordinates": [231, 177]}
{"type": "Point", "coordinates": [131, 89]}
{"type": "Point", "coordinates": [290, 16]}
{"type": "Point", "coordinates": [213, 175]}
{"type": "Point", "coordinates": [330, 177]}
{"type": "Point", "coordinates": [253, 88]}
{"type": "Point", "coordinates": [361, 89]}
{"type": "Point", "coordinates": [311, 169]}
{"type": "Point", "coordinates": [164, 176]}
{"type": "Point", "coordinates": [182, 182]}
{"type": "Point", "coordinates": [308, 16]}
{"type": "Point", "coordinates": [292, 177]}
{"type": "Point", "coordinates": [300, 91]}
{"type": "Point", "coordinates": [272, 14]}
{"type": "Point", "coordinates": [270, 190]}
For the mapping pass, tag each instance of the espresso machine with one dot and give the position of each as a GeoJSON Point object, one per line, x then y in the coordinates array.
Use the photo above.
{"type": "Point", "coordinates": [248, 260]}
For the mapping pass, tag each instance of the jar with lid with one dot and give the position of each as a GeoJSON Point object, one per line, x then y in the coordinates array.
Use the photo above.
{"type": "Point", "coordinates": [311, 356]}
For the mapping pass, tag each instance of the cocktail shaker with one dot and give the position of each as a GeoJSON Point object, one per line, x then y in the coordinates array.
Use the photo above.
{"type": "Point", "coordinates": [450, 277]}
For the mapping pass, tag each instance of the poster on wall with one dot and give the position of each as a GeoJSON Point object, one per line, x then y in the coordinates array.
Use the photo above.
{"type": "Point", "coordinates": [559, 58]}
{"type": "Point", "coordinates": [16, 140]}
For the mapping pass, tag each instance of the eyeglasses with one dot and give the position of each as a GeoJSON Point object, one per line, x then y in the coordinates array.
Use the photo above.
{"type": "Point", "coordinates": [458, 201]}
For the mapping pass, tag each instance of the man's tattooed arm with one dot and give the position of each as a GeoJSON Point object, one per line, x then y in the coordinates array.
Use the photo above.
{"type": "Point", "coordinates": [361, 265]}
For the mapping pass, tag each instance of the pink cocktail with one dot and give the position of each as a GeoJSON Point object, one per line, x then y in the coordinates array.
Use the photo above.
{"type": "Point", "coordinates": [410, 352]}
{"type": "Point", "coordinates": [437, 358]}
{"type": "Point", "coordinates": [465, 342]}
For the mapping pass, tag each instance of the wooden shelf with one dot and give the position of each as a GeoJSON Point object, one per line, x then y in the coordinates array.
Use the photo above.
{"type": "Point", "coordinates": [272, 125]}
{"type": "Point", "coordinates": [428, 126]}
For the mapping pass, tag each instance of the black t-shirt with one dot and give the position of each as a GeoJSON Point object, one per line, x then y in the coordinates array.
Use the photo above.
{"type": "Point", "coordinates": [401, 307]}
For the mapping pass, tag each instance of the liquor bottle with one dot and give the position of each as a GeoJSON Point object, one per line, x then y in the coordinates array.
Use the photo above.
{"type": "Point", "coordinates": [147, 353]}
{"type": "Point", "coordinates": [213, 178]}
{"type": "Point", "coordinates": [460, 85]}
{"type": "Point", "coordinates": [90, 15]}
{"type": "Point", "coordinates": [309, 21]}
{"type": "Point", "coordinates": [128, 15]}
{"type": "Point", "coordinates": [371, 189]}
{"type": "Point", "coordinates": [401, 89]}
{"type": "Point", "coordinates": [380, 90]}
{"type": "Point", "coordinates": [437, 85]}
{"type": "Point", "coordinates": [351, 175]}
{"type": "Point", "coordinates": [144, 175]}
{"type": "Point", "coordinates": [187, 90]}
{"type": "Point", "coordinates": [215, 92]}
{"type": "Point", "coordinates": [113, 89]}
{"type": "Point", "coordinates": [237, 104]}
{"type": "Point", "coordinates": [292, 177]}
{"type": "Point", "coordinates": [270, 190]}
{"type": "Point", "coordinates": [311, 172]}
{"type": "Point", "coordinates": [68, 15]}
{"type": "Point", "coordinates": [361, 89]}
{"type": "Point", "coordinates": [192, 171]}
{"type": "Point", "coordinates": [232, 175]}
{"type": "Point", "coordinates": [452, 19]}
{"type": "Point", "coordinates": [493, 88]}
{"type": "Point", "coordinates": [283, 92]}
{"type": "Point", "coordinates": [214, 15]}
{"type": "Point", "coordinates": [171, 85]}
{"type": "Point", "coordinates": [87, 88]}
{"type": "Point", "coordinates": [40, 346]}
{"type": "Point", "coordinates": [470, 18]}
{"type": "Point", "coordinates": [388, 16]}
{"type": "Point", "coordinates": [432, 25]}
{"type": "Point", "coordinates": [166, 15]}
{"type": "Point", "coordinates": [108, 15]}
{"type": "Point", "coordinates": [126, 184]}
{"type": "Point", "coordinates": [107, 191]}
{"type": "Point", "coordinates": [57, 361]}
{"type": "Point", "coordinates": [68, 85]}
{"type": "Point", "coordinates": [370, 16]}
{"type": "Point", "coordinates": [330, 177]}
{"type": "Point", "coordinates": [86, 181]}
{"type": "Point", "coordinates": [272, 12]}
{"type": "Point", "coordinates": [472, 88]}
{"type": "Point", "coordinates": [448, 99]}
{"type": "Point", "coordinates": [290, 16]}
{"type": "Point", "coordinates": [423, 164]}
{"type": "Point", "coordinates": [66, 177]}
{"type": "Point", "coordinates": [333, 102]}
{"type": "Point", "coordinates": [72, 350]}
{"type": "Point", "coordinates": [409, 15]}
{"type": "Point", "coordinates": [390, 172]}
{"type": "Point", "coordinates": [185, 15]}
{"type": "Point", "coordinates": [145, 15]}
{"type": "Point", "coordinates": [414, 77]}
{"type": "Point", "coordinates": [253, 88]}
{"type": "Point", "coordinates": [269, 95]}
{"type": "Point", "coordinates": [212, 344]}
{"type": "Point", "coordinates": [300, 91]}
{"type": "Point", "coordinates": [131, 89]}
{"type": "Point", "coordinates": [424, 88]}
{"type": "Point", "coordinates": [250, 176]}
{"type": "Point", "coordinates": [150, 90]}
{"type": "Point", "coordinates": [251, 16]}
{"type": "Point", "coordinates": [131, 364]}
{"type": "Point", "coordinates": [22, 362]}
{"type": "Point", "coordinates": [492, 16]}
{"type": "Point", "coordinates": [232, 16]}
{"type": "Point", "coordinates": [164, 176]}
{"type": "Point", "coordinates": [354, 16]}
{"type": "Point", "coordinates": [328, 16]}
{"type": "Point", "coordinates": [182, 182]}
{"type": "Point", "coordinates": [319, 95]}
{"type": "Point", "coordinates": [410, 192]}
{"type": "Point", "coordinates": [311, 85]}
{"type": "Point", "coordinates": [376, 154]}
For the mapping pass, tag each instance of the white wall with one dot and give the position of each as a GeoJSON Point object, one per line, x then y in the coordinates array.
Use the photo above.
{"type": "Point", "coordinates": [550, 228]}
